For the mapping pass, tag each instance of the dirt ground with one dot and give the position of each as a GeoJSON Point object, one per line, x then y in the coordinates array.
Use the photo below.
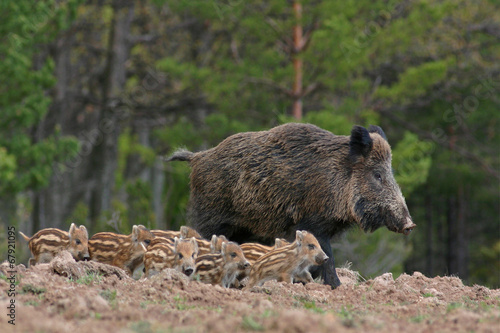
{"type": "Point", "coordinates": [65, 296]}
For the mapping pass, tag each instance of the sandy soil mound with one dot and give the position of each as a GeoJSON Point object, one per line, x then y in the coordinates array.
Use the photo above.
{"type": "Point", "coordinates": [69, 296]}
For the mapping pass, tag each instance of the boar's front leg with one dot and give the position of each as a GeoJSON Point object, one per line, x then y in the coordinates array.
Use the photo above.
{"type": "Point", "coordinates": [327, 270]}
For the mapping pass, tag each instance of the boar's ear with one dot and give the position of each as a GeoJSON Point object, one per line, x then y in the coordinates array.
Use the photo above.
{"type": "Point", "coordinates": [360, 144]}
{"type": "Point", "coordinates": [176, 242]}
{"type": "Point", "coordinates": [378, 130]}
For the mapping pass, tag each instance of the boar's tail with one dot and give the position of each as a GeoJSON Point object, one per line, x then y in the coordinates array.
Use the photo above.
{"type": "Point", "coordinates": [24, 236]}
{"type": "Point", "coordinates": [180, 155]}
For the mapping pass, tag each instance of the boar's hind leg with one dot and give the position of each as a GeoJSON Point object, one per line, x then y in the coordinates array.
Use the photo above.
{"type": "Point", "coordinates": [327, 270]}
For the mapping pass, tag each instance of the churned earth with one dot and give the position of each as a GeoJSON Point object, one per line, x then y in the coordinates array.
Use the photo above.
{"type": "Point", "coordinates": [66, 296]}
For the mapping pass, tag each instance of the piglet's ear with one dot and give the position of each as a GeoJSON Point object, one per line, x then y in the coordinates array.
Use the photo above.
{"type": "Point", "coordinates": [72, 230]}
{"type": "Point", "coordinates": [195, 245]}
{"type": "Point", "coordinates": [378, 130]}
{"type": "Point", "coordinates": [213, 244]}
{"type": "Point", "coordinates": [360, 144]}
{"type": "Point", "coordinates": [184, 232]}
{"type": "Point", "coordinates": [299, 237]}
{"type": "Point", "coordinates": [135, 233]}
{"type": "Point", "coordinates": [82, 228]}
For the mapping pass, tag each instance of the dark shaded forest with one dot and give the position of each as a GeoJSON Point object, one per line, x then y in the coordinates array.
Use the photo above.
{"type": "Point", "coordinates": [93, 94]}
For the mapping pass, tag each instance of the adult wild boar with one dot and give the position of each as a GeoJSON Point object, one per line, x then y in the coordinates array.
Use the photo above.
{"type": "Point", "coordinates": [257, 186]}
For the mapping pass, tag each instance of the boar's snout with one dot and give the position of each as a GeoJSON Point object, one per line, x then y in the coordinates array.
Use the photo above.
{"type": "Point", "coordinates": [188, 271]}
{"type": "Point", "coordinates": [406, 231]}
{"type": "Point", "coordinates": [408, 227]}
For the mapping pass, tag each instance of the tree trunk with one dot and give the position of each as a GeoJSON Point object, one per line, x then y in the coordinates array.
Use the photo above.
{"type": "Point", "coordinates": [104, 156]}
{"type": "Point", "coordinates": [51, 205]}
{"type": "Point", "coordinates": [158, 183]}
{"type": "Point", "coordinates": [297, 62]}
{"type": "Point", "coordinates": [457, 244]}
{"type": "Point", "coordinates": [429, 261]}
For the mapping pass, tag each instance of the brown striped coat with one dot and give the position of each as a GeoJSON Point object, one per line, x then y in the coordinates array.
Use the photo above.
{"type": "Point", "coordinates": [221, 268]}
{"type": "Point", "coordinates": [124, 251]}
{"type": "Point", "coordinates": [253, 251]}
{"type": "Point", "coordinates": [47, 243]}
{"type": "Point", "coordinates": [179, 255]}
{"type": "Point", "coordinates": [184, 232]}
{"type": "Point", "coordinates": [287, 262]}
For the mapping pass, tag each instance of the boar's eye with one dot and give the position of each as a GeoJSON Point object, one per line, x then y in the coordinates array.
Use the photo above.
{"type": "Point", "coordinates": [77, 241]}
{"type": "Point", "coordinates": [192, 256]}
{"type": "Point", "coordinates": [147, 241]}
{"type": "Point", "coordinates": [312, 246]}
{"type": "Point", "coordinates": [378, 176]}
{"type": "Point", "coordinates": [180, 255]}
{"type": "Point", "coordinates": [233, 255]}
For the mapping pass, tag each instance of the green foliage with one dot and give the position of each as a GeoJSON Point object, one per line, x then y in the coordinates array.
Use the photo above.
{"type": "Point", "coordinates": [372, 63]}
{"type": "Point", "coordinates": [347, 315]}
{"type": "Point", "coordinates": [329, 120]}
{"type": "Point", "coordinates": [426, 67]}
{"type": "Point", "coordinates": [411, 162]}
{"type": "Point", "coordinates": [32, 303]}
{"type": "Point", "coordinates": [310, 305]}
{"type": "Point", "coordinates": [29, 288]}
{"type": "Point", "coordinates": [7, 167]}
{"type": "Point", "coordinates": [181, 134]}
{"type": "Point", "coordinates": [110, 296]}
{"type": "Point", "coordinates": [26, 163]}
{"type": "Point", "coordinates": [141, 327]}
{"type": "Point", "coordinates": [89, 279]}
{"type": "Point", "coordinates": [180, 303]}
{"type": "Point", "coordinates": [372, 254]}
{"type": "Point", "coordinates": [418, 319]}
{"type": "Point", "coordinates": [249, 324]}
{"type": "Point", "coordinates": [129, 147]}
{"type": "Point", "coordinates": [139, 204]}
{"type": "Point", "coordinates": [221, 126]}
{"type": "Point", "coordinates": [185, 72]}
{"type": "Point", "coordinates": [415, 82]}
{"type": "Point", "coordinates": [485, 261]}
{"type": "Point", "coordinates": [80, 214]}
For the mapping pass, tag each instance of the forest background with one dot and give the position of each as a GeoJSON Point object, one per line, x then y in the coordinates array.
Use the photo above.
{"type": "Point", "coordinates": [94, 93]}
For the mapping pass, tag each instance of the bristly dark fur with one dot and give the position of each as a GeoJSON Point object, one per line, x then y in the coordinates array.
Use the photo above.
{"type": "Point", "coordinates": [256, 186]}
{"type": "Point", "coordinates": [376, 129]}
{"type": "Point", "coordinates": [360, 144]}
